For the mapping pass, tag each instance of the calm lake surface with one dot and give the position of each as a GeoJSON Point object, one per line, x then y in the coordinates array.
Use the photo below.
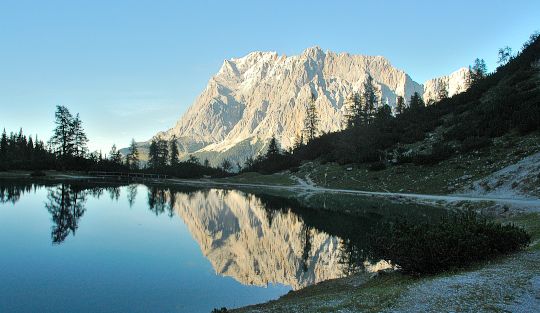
{"type": "Point", "coordinates": [73, 247]}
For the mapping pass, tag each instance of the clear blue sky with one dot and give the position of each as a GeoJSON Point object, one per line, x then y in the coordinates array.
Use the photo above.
{"type": "Point", "coordinates": [131, 68]}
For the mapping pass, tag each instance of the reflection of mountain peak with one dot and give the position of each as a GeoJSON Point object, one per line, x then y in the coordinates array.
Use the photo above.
{"type": "Point", "coordinates": [235, 233]}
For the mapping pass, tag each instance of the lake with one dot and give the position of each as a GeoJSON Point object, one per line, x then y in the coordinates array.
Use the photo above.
{"type": "Point", "coordinates": [79, 247]}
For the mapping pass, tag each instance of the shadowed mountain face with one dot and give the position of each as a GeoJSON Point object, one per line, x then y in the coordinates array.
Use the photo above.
{"type": "Point", "coordinates": [264, 94]}
{"type": "Point", "coordinates": [245, 240]}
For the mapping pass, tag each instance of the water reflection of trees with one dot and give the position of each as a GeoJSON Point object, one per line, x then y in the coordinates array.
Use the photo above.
{"type": "Point", "coordinates": [66, 205]}
{"type": "Point", "coordinates": [161, 200]}
{"type": "Point", "coordinates": [13, 192]}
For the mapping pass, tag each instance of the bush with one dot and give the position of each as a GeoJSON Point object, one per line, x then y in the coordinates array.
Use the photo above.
{"type": "Point", "coordinates": [475, 143]}
{"type": "Point", "coordinates": [37, 174]}
{"type": "Point", "coordinates": [377, 166]}
{"type": "Point", "coordinates": [453, 242]}
{"type": "Point", "coordinates": [222, 310]}
{"type": "Point", "coordinates": [439, 152]}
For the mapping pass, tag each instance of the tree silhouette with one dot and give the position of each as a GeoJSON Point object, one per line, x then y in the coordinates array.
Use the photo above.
{"type": "Point", "coordinates": [311, 121]}
{"type": "Point", "coordinates": [63, 139]}
{"type": "Point", "coordinates": [173, 151]}
{"type": "Point", "coordinates": [355, 111]}
{"type": "Point", "coordinates": [400, 105]}
{"type": "Point", "coordinates": [370, 100]}
{"type": "Point", "coordinates": [132, 158]}
{"type": "Point", "coordinates": [504, 55]}
{"type": "Point", "coordinates": [79, 138]}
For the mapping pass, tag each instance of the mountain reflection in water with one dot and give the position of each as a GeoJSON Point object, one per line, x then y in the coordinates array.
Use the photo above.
{"type": "Point", "coordinates": [255, 239]}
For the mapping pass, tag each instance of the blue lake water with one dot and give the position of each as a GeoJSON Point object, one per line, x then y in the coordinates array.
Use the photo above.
{"type": "Point", "coordinates": [91, 248]}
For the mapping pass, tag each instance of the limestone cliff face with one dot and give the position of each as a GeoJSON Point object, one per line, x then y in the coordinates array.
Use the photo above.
{"type": "Point", "coordinates": [454, 84]}
{"type": "Point", "coordinates": [243, 240]}
{"type": "Point", "coordinates": [264, 94]}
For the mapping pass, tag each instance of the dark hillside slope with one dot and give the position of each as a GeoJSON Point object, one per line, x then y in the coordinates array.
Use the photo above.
{"type": "Point", "coordinates": [503, 102]}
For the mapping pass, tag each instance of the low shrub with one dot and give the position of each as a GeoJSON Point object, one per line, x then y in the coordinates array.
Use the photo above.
{"type": "Point", "coordinates": [439, 152]}
{"type": "Point", "coordinates": [475, 143]}
{"type": "Point", "coordinates": [453, 242]}
{"type": "Point", "coordinates": [377, 166]}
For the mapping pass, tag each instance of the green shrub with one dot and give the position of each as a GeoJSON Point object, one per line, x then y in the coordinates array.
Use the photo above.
{"type": "Point", "coordinates": [222, 310]}
{"type": "Point", "coordinates": [453, 242]}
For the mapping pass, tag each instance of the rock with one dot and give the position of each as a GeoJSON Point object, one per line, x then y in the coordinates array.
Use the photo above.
{"type": "Point", "coordinates": [263, 94]}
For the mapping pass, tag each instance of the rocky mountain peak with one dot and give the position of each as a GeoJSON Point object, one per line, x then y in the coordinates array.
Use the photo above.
{"type": "Point", "coordinates": [262, 94]}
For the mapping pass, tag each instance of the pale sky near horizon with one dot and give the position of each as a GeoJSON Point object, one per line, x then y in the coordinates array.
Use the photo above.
{"type": "Point", "coordinates": [131, 68]}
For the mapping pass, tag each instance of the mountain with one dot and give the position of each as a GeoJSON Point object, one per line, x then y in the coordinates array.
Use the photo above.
{"type": "Point", "coordinates": [264, 94]}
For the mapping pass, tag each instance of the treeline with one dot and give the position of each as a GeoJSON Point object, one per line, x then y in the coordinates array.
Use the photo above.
{"type": "Point", "coordinates": [19, 151]}
{"type": "Point", "coordinates": [67, 150]}
{"type": "Point", "coordinates": [494, 104]}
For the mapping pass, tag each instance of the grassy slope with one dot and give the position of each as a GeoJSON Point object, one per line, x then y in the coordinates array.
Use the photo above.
{"type": "Point", "coordinates": [443, 178]}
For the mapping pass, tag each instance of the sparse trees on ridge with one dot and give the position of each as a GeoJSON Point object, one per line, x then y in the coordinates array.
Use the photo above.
{"type": "Point", "coordinates": [504, 55]}
{"type": "Point", "coordinates": [479, 70]}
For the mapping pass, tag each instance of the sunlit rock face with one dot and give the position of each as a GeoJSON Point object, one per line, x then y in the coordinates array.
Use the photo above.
{"type": "Point", "coordinates": [453, 83]}
{"type": "Point", "coordinates": [263, 94]}
{"type": "Point", "coordinates": [255, 246]}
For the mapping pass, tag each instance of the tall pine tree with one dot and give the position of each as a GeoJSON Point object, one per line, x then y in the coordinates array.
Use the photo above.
{"type": "Point", "coordinates": [79, 137]}
{"type": "Point", "coordinates": [173, 150]}
{"type": "Point", "coordinates": [132, 158]}
{"type": "Point", "coordinates": [311, 121]}
{"type": "Point", "coordinates": [63, 136]}
{"type": "Point", "coordinates": [370, 100]}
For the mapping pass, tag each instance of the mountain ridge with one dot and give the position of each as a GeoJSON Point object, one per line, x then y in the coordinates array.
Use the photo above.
{"type": "Point", "coordinates": [262, 94]}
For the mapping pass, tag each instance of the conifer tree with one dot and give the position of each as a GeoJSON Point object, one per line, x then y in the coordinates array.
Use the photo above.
{"type": "Point", "coordinates": [3, 146]}
{"type": "Point", "coordinates": [114, 155]}
{"type": "Point", "coordinates": [226, 165]}
{"type": "Point", "coordinates": [311, 121]}
{"type": "Point", "coordinates": [79, 137]}
{"type": "Point", "coordinates": [273, 149]}
{"type": "Point", "coordinates": [153, 154]}
{"type": "Point", "coordinates": [132, 157]}
{"type": "Point", "coordinates": [355, 110]}
{"type": "Point", "coordinates": [173, 149]}
{"type": "Point", "coordinates": [479, 70]}
{"type": "Point", "coordinates": [400, 105]}
{"type": "Point", "coordinates": [163, 147]}
{"type": "Point", "coordinates": [416, 102]}
{"type": "Point", "coordinates": [298, 141]}
{"type": "Point", "coordinates": [63, 135]}
{"type": "Point", "coordinates": [442, 92]}
{"type": "Point", "coordinates": [384, 113]}
{"type": "Point", "coordinates": [370, 100]}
